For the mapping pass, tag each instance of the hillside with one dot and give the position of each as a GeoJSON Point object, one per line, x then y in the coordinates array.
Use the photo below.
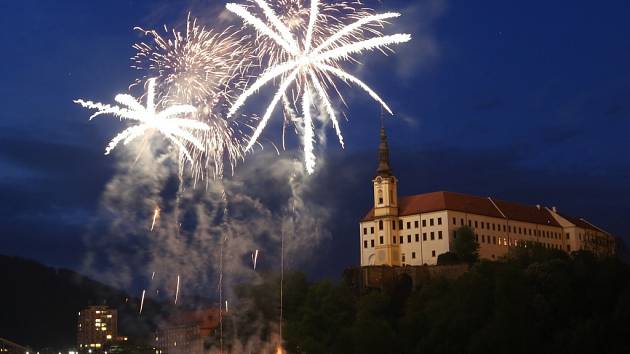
{"type": "Point", "coordinates": [39, 304]}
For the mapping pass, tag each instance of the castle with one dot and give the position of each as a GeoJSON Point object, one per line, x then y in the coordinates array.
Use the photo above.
{"type": "Point", "coordinates": [415, 230]}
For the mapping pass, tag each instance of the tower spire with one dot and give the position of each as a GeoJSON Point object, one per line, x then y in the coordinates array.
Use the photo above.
{"type": "Point", "coordinates": [384, 169]}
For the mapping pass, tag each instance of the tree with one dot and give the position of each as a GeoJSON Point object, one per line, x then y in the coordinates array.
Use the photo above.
{"type": "Point", "coordinates": [465, 245]}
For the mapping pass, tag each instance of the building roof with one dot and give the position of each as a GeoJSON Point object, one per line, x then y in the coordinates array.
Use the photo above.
{"type": "Point", "coordinates": [466, 203]}
{"type": "Point", "coordinates": [527, 213]}
{"type": "Point", "coordinates": [579, 222]}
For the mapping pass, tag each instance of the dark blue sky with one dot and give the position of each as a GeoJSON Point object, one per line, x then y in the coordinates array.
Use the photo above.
{"type": "Point", "coordinates": [528, 101]}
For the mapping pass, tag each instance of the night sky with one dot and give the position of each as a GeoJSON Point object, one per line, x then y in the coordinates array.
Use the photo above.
{"type": "Point", "coordinates": [525, 101]}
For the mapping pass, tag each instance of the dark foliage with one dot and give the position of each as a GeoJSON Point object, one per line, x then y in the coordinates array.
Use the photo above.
{"type": "Point", "coordinates": [533, 301]}
{"type": "Point", "coordinates": [465, 245]}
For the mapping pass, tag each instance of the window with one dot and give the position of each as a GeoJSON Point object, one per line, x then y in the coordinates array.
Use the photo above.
{"type": "Point", "coordinates": [440, 235]}
{"type": "Point", "coordinates": [469, 223]}
{"type": "Point", "coordinates": [401, 239]}
{"type": "Point", "coordinates": [493, 226]}
{"type": "Point", "coordinates": [417, 238]}
{"type": "Point", "coordinates": [461, 221]}
{"type": "Point", "coordinates": [394, 239]}
{"type": "Point", "coordinates": [483, 238]}
{"type": "Point", "coordinates": [409, 224]}
{"type": "Point", "coordinates": [380, 196]}
{"type": "Point", "coordinates": [454, 221]}
{"type": "Point", "coordinates": [364, 244]}
{"type": "Point", "coordinates": [503, 228]}
{"type": "Point", "coordinates": [381, 240]}
{"type": "Point", "coordinates": [482, 224]}
{"type": "Point", "coordinates": [372, 243]}
{"type": "Point", "coordinates": [477, 237]}
{"type": "Point", "coordinates": [567, 236]}
{"type": "Point", "coordinates": [494, 240]}
{"type": "Point", "coordinates": [408, 238]}
{"type": "Point", "coordinates": [424, 223]}
{"type": "Point", "coordinates": [439, 221]}
{"type": "Point", "coordinates": [365, 230]}
{"type": "Point", "coordinates": [400, 224]}
{"type": "Point", "coordinates": [403, 257]}
{"type": "Point", "coordinates": [431, 222]}
{"type": "Point", "coordinates": [432, 253]}
{"type": "Point", "coordinates": [415, 223]}
{"type": "Point", "coordinates": [432, 235]}
{"type": "Point", "coordinates": [372, 229]}
{"type": "Point", "coordinates": [394, 224]}
{"type": "Point", "coordinates": [413, 255]}
{"type": "Point", "coordinates": [380, 224]}
{"type": "Point", "coordinates": [476, 225]}
{"type": "Point", "coordinates": [424, 236]}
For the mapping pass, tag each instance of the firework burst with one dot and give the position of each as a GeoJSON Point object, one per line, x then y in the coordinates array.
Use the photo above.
{"type": "Point", "coordinates": [203, 68]}
{"type": "Point", "coordinates": [177, 130]}
{"type": "Point", "coordinates": [304, 49]}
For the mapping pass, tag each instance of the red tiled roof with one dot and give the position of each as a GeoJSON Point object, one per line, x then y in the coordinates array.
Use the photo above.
{"type": "Point", "coordinates": [580, 222]}
{"type": "Point", "coordinates": [436, 201]}
{"type": "Point", "coordinates": [526, 213]}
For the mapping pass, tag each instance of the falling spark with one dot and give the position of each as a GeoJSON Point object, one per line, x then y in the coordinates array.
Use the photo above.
{"type": "Point", "coordinates": [142, 302]}
{"type": "Point", "coordinates": [178, 130]}
{"type": "Point", "coordinates": [310, 57]}
{"type": "Point", "coordinates": [153, 274]}
{"type": "Point", "coordinates": [177, 290]}
{"type": "Point", "coordinates": [255, 258]}
{"type": "Point", "coordinates": [156, 216]}
{"type": "Point", "coordinates": [226, 306]}
{"type": "Point", "coordinates": [203, 68]}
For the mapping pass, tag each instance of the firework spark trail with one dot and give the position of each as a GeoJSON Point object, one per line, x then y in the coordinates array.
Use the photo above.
{"type": "Point", "coordinates": [177, 290]}
{"type": "Point", "coordinates": [142, 302]}
{"type": "Point", "coordinates": [206, 69]}
{"type": "Point", "coordinates": [156, 216]}
{"type": "Point", "coordinates": [177, 130]}
{"type": "Point", "coordinates": [314, 63]}
{"type": "Point", "coordinates": [255, 258]}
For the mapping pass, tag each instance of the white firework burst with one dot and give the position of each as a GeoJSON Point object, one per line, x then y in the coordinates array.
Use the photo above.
{"type": "Point", "coordinates": [168, 122]}
{"type": "Point", "coordinates": [310, 59]}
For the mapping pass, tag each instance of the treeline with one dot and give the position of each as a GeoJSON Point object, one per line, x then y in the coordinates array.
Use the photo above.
{"type": "Point", "coordinates": [534, 301]}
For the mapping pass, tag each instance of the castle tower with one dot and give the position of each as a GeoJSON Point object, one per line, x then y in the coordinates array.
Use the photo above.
{"type": "Point", "coordinates": [385, 206]}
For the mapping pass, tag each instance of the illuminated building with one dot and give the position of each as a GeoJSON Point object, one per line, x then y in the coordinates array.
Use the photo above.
{"type": "Point", "coordinates": [415, 230]}
{"type": "Point", "coordinates": [96, 329]}
{"type": "Point", "coordinates": [186, 332]}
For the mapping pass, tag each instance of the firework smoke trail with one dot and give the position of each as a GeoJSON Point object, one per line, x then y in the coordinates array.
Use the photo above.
{"type": "Point", "coordinates": [311, 55]}
{"type": "Point", "coordinates": [206, 69]}
{"type": "Point", "coordinates": [179, 131]}
{"type": "Point", "coordinates": [142, 302]}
